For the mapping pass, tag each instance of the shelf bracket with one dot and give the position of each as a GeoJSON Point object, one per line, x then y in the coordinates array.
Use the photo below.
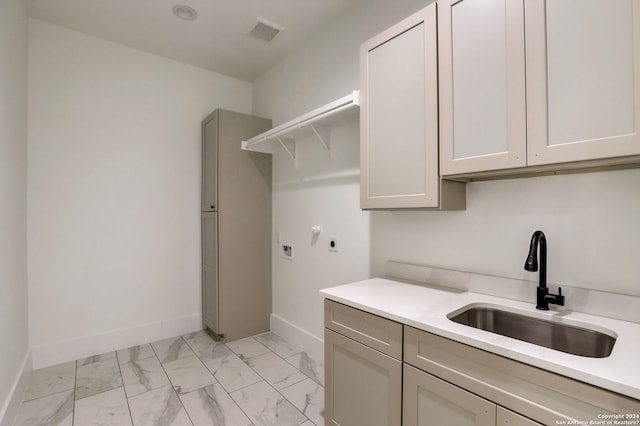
{"type": "Point", "coordinates": [324, 135]}
{"type": "Point", "coordinates": [289, 145]}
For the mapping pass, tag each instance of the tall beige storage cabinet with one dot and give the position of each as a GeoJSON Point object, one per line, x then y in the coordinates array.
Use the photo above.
{"type": "Point", "coordinates": [236, 227]}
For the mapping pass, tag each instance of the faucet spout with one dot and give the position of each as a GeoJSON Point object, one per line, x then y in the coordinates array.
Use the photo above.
{"type": "Point", "coordinates": [538, 240]}
{"type": "Point", "coordinates": [531, 263]}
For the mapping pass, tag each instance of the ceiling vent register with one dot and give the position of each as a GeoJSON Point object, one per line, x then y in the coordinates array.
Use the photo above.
{"type": "Point", "coordinates": [265, 30]}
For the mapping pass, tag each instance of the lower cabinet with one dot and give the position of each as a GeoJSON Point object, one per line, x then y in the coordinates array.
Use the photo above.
{"type": "Point", "coordinates": [379, 372]}
{"type": "Point", "coordinates": [430, 401]}
{"type": "Point", "coordinates": [363, 368]}
{"type": "Point", "coordinates": [363, 386]}
{"type": "Point", "coordinates": [532, 393]}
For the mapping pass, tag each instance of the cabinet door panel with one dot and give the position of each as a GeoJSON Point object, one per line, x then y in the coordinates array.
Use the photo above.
{"type": "Point", "coordinates": [396, 113]}
{"type": "Point", "coordinates": [362, 386]}
{"type": "Point", "coordinates": [210, 270]}
{"type": "Point", "coordinates": [482, 85]}
{"type": "Point", "coordinates": [583, 79]}
{"type": "Point", "coordinates": [429, 401]}
{"type": "Point", "coordinates": [210, 164]}
{"type": "Point", "coordinates": [399, 115]}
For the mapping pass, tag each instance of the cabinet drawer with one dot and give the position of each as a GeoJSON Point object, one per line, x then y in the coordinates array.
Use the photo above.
{"type": "Point", "coordinates": [535, 393]}
{"type": "Point", "coordinates": [376, 332]}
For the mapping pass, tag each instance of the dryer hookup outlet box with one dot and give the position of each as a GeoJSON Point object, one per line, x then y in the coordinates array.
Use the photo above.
{"type": "Point", "coordinates": [287, 251]}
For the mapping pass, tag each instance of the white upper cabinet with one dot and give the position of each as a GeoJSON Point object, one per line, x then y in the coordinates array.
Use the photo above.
{"type": "Point", "coordinates": [573, 96]}
{"type": "Point", "coordinates": [482, 85]}
{"type": "Point", "coordinates": [399, 114]}
{"type": "Point", "coordinates": [399, 118]}
{"type": "Point", "coordinates": [583, 79]}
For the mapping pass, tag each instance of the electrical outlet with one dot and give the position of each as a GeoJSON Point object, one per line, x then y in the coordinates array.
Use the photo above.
{"type": "Point", "coordinates": [333, 244]}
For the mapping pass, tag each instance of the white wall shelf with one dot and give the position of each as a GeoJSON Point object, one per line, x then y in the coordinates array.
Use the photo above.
{"type": "Point", "coordinates": [317, 122]}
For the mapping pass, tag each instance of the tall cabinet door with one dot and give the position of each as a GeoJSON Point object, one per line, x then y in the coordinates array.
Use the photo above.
{"type": "Point", "coordinates": [210, 163]}
{"type": "Point", "coordinates": [583, 79]}
{"type": "Point", "coordinates": [482, 85]}
{"type": "Point", "coordinates": [399, 115]}
{"type": "Point", "coordinates": [210, 270]}
{"type": "Point", "coordinates": [363, 386]}
{"type": "Point", "coordinates": [429, 401]}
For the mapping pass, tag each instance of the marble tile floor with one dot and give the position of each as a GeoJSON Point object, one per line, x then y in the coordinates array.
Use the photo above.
{"type": "Point", "coordinates": [188, 380]}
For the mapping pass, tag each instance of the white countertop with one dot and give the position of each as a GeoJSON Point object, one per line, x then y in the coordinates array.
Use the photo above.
{"type": "Point", "coordinates": [426, 308]}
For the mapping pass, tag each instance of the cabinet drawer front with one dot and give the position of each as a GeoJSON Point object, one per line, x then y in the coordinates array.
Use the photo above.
{"type": "Point", "coordinates": [538, 394]}
{"type": "Point", "coordinates": [362, 385]}
{"type": "Point", "coordinates": [376, 332]}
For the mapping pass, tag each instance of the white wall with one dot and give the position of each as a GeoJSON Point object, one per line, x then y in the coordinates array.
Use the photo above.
{"type": "Point", "coordinates": [590, 219]}
{"type": "Point", "coordinates": [323, 191]}
{"type": "Point", "coordinates": [114, 192]}
{"type": "Point", "coordinates": [326, 67]}
{"type": "Point", "coordinates": [324, 188]}
{"type": "Point", "coordinates": [13, 203]}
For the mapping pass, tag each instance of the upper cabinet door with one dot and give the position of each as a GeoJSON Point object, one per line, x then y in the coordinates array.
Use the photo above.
{"type": "Point", "coordinates": [482, 85]}
{"type": "Point", "coordinates": [210, 163]}
{"type": "Point", "coordinates": [399, 115]}
{"type": "Point", "coordinates": [583, 79]}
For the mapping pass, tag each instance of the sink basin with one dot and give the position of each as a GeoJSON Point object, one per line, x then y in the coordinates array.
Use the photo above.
{"type": "Point", "coordinates": [559, 336]}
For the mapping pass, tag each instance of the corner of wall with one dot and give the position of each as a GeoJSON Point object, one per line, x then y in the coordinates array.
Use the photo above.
{"type": "Point", "coordinates": [301, 339]}
{"type": "Point", "coordinates": [10, 408]}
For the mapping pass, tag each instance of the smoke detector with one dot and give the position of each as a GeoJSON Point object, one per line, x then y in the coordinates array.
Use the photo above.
{"type": "Point", "coordinates": [265, 30]}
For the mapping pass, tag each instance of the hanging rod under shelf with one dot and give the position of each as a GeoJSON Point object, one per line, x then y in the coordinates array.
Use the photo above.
{"type": "Point", "coordinates": [317, 120]}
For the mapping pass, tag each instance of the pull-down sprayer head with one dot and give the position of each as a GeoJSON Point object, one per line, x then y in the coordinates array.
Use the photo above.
{"type": "Point", "coordinates": [531, 263]}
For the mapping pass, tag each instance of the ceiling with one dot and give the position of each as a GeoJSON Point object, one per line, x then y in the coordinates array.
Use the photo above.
{"type": "Point", "coordinates": [217, 40]}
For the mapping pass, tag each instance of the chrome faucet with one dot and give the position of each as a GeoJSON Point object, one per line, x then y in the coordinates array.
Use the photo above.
{"type": "Point", "coordinates": [531, 264]}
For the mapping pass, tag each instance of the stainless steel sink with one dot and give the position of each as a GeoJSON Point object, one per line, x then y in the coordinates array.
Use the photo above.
{"type": "Point", "coordinates": [561, 337]}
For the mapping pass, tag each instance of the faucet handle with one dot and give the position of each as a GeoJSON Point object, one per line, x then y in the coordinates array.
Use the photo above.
{"type": "Point", "coordinates": [560, 297]}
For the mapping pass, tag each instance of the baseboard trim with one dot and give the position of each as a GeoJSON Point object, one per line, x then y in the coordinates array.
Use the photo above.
{"type": "Point", "coordinates": [10, 407]}
{"type": "Point", "coordinates": [72, 349]}
{"type": "Point", "coordinates": [298, 337]}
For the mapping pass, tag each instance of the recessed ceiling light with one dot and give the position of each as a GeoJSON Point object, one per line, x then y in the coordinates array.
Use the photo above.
{"type": "Point", "coordinates": [185, 12]}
